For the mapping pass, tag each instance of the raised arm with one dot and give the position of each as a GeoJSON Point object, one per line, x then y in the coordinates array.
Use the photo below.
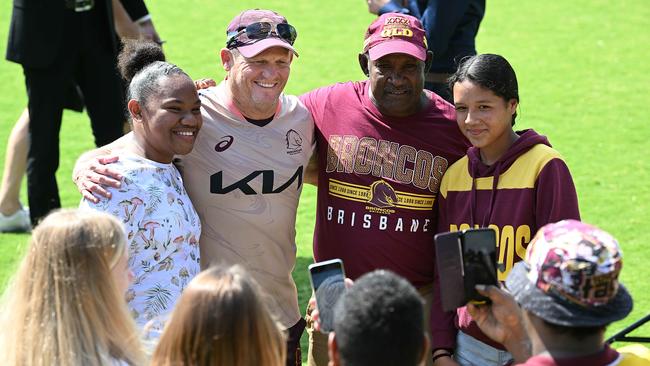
{"type": "Point", "coordinates": [124, 25]}
{"type": "Point", "coordinates": [138, 12]}
{"type": "Point", "coordinates": [92, 171]}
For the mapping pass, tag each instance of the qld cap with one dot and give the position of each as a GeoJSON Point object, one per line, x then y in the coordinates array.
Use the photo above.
{"type": "Point", "coordinates": [395, 33]}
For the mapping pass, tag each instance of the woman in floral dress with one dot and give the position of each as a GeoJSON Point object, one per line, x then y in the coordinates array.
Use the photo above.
{"type": "Point", "coordinates": [161, 224]}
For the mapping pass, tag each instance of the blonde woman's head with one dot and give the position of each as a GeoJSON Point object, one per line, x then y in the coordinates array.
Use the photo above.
{"type": "Point", "coordinates": [66, 303]}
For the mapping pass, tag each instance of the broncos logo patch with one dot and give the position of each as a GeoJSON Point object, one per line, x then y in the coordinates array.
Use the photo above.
{"type": "Point", "coordinates": [294, 142]}
{"type": "Point", "coordinates": [382, 195]}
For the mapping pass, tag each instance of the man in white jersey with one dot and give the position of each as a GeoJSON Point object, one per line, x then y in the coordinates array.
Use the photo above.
{"type": "Point", "coordinates": [245, 173]}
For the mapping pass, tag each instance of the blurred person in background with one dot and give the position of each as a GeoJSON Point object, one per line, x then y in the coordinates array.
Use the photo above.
{"type": "Point", "coordinates": [60, 44]}
{"type": "Point", "coordinates": [13, 216]}
{"type": "Point", "coordinates": [379, 321]}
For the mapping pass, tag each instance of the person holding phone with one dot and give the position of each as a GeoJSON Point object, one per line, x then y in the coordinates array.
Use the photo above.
{"type": "Point", "coordinates": [511, 181]}
{"type": "Point", "coordinates": [560, 300]}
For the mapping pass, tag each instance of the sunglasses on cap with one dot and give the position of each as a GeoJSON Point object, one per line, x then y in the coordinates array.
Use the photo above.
{"type": "Point", "coordinates": [261, 30]}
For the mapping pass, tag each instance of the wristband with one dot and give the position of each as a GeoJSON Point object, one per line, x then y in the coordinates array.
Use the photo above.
{"type": "Point", "coordinates": [440, 355]}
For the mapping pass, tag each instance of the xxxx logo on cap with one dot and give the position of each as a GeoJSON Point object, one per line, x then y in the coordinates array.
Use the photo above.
{"type": "Point", "coordinates": [395, 33]}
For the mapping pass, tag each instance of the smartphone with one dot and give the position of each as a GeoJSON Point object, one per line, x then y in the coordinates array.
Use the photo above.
{"type": "Point", "coordinates": [465, 259]}
{"type": "Point", "coordinates": [479, 258]}
{"type": "Point", "coordinates": [449, 265]}
{"type": "Point", "coordinates": [328, 282]}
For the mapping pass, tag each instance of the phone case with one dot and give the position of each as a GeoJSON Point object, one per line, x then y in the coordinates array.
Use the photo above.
{"type": "Point", "coordinates": [450, 270]}
{"type": "Point", "coordinates": [465, 259]}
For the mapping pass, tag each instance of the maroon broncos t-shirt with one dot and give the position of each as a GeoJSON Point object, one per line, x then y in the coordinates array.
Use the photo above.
{"type": "Point", "coordinates": [378, 180]}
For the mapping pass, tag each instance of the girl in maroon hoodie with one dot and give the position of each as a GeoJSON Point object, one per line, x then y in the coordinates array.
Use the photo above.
{"type": "Point", "coordinates": [511, 181]}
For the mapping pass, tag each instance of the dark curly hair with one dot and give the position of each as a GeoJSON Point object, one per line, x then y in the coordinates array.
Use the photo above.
{"type": "Point", "coordinates": [380, 321]}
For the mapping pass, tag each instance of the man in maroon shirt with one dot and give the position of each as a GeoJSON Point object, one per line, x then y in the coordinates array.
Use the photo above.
{"type": "Point", "coordinates": [383, 147]}
{"type": "Point", "coordinates": [568, 291]}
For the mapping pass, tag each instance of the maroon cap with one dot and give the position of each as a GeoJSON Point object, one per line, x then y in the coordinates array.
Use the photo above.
{"type": "Point", "coordinates": [248, 17]}
{"type": "Point", "coordinates": [395, 33]}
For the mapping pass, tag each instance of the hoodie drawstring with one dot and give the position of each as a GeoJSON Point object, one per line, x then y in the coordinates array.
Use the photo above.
{"type": "Point", "coordinates": [472, 208]}
{"type": "Point", "coordinates": [493, 195]}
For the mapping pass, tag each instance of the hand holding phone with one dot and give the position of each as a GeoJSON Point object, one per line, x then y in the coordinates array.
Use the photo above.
{"type": "Point", "coordinates": [328, 282]}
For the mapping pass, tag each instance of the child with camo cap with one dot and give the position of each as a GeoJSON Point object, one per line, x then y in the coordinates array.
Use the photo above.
{"type": "Point", "coordinates": [568, 293]}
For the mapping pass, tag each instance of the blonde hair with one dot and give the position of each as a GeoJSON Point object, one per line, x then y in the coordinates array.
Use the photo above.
{"type": "Point", "coordinates": [221, 320]}
{"type": "Point", "coordinates": [63, 306]}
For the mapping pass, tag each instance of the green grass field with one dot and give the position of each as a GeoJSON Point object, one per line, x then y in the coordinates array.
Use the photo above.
{"type": "Point", "coordinates": [584, 82]}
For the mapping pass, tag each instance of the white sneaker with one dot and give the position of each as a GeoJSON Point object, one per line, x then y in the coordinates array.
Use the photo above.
{"type": "Point", "coordinates": [18, 222]}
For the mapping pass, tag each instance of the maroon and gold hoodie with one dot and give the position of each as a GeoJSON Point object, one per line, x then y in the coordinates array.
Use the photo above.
{"type": "Point", "coordinates": [529, 187]}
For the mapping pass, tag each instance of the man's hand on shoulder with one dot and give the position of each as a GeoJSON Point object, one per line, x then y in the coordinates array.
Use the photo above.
{"type": "Point", "coordinates": [94, 175]}
{"type": "Point", "coordinates": [204, 83]}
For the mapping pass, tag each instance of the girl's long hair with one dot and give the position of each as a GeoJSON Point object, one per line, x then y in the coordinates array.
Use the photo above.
{"type": "Point", "coordinates": [221, 320]}
{"type": "Point", "coordinates": [63, 306]}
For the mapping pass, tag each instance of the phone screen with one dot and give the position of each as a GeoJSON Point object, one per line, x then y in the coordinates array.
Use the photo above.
{"type": "Point", "coordinates": [328, 282]}
{"type": "Point", "coordinates": [479, 256]}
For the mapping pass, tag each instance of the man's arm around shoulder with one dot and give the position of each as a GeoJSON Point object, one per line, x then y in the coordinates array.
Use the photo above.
{"type": "Point", "coordinates": [92, 172]}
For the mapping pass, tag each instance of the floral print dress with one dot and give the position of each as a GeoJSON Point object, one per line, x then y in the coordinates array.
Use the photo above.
{"type": "Point", "coordinates": [162, 230]}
